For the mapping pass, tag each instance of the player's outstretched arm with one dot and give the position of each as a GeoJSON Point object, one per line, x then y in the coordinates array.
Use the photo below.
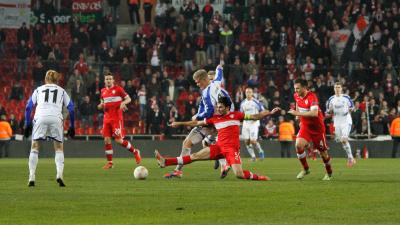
{"type": "Point", "coordinates": [193, 123]}
{"type": "Point", "coordinates": [262, 114]}
{"type": "Point", "coordinates": [126, 101]}
{"type": "Point", "coordinates": [101, 105]}
{"type": "Point", "coordinates": [312, 113]}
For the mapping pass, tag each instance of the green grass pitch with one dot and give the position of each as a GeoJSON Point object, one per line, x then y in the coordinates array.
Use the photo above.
{"type": "Point", "coordinates": [369, 193]}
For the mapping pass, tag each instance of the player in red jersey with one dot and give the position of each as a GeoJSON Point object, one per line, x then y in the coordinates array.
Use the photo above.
{"type": "Point", "coordinates": [228, 145]}
{"type": "Point", "coordinates": [312, 128]}
{"type": "Point", "coordinates": [113, 101]}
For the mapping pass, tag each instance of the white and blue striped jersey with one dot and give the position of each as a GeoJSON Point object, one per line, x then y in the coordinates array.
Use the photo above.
{"type": "Point", "coordinates": [209, 96]}
{"type": "Point", "coordinates": [251, 107]}
{"type": "Point", "coordinates": [341, 107]}
{"type": "Point", "coordinates": [49, 100]}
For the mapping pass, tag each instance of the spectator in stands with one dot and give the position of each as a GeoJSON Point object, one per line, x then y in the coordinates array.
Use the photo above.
{"type": "Point", "coordinates": [37, 36]}
{"type": "Point", "coordinates": [86, 110]}
{"type": "Point", "coordinates": [236, 72]}
{"type": "Point", "coordinates": [22, 59]}
{"type": "Point", "coordinates": [17, 92]}
{"type": "Point", "coordinates": [126, 70]}
{"type": "Point", "coordinates": [153, 87]}
{"type": "Point", "coordinates": [147, 7]}
{"type": "Point", "coordinates": [78, 92]}
{"type": "Point", "coordinates": [270, 130]}
{"type": "Point", "coordinates": [14, 124]}
{"type": "Point", "coordinates": [5, 136]}
{"type": "Point", "coordinates": [38, 74]}
{"type": "Point", "coordinates": [308, 68]}
{"type": "Point", "coordinates": [43, 50]}
{"type": "Point", "coordinates": [164, 83]}
{"type": "Point", "coordinates": [2, 110]}
{"type": "Point", "coordinates": [23, 33]}
{"type": "Point", "coordinates": [110, 29]}
{"type": "Point", "coordinates": [155, 120]}
{"type": "Point", "coordinates": [161, 10]}
{"type": "Point", "coordinates": [97, 36]}
{"type": "Point", "coordinates": [142, 96]}
{"type": "Point", "coordinates": [286, 136]}
{"type": "Point", "coordinates": [123, 51]}
{"type": "Point", "coordinates": [130, 90]}
{"type": "Point", "coordinates": [95, 88]}
{"type": "Point", "coordinates": [226, 36]}
{"type": "Point", "coordinates": [83, 39]}
{"type": "Point", "coordinates": [2, 41]}
{"type": "Point", "coordinates": [81, 65]}
{"type": "Point", "coordinates": [253, 79]}
{"type": "Point", "coordinates": [141, 53]}
{"type": "Point", "coordinates": [377, 125]}
{"type": "Point", "coordinates": [200, 47]}
{"type": "Point", "coordinates": [167, 106]}
{"type": "Point", "coordinates": [74, 51]}
{"type": "Point", "coordinates": [72, 79]}
{"type": "Point", "coordinates": [134, 11]}
{"type": "Point", "coordinates": [114, 5]}
{"type": "Point", "coordinates": [211, 40]}
{"type": "Point", "coordinates": [51, 63]}
{"type": "Point", "coordinates": [188, 54]}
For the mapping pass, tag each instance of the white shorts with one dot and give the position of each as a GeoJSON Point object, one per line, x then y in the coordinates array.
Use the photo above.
{"type": "Point", "coordinates": [250, 132]}
{"type": "Point", "coordinates": [48, 127]}
{"type": "Point", "coordinates": [197, 134]}
{"type": "Point", "coordinates": [342, 131]}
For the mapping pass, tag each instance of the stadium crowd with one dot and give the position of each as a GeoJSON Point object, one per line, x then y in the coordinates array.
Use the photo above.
{"type": "Point", "coordinates": [261, 44]}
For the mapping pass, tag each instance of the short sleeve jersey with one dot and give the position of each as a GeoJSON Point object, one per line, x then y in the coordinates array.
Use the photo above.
{"type": "Point", "coordinates": [228, 127]}
{"type": "Point", "coordinates": [49, 100]}
{"type": "Point", "coordinates": [305, 104]}
{"type": "Point", "coordinates": [112, 98]}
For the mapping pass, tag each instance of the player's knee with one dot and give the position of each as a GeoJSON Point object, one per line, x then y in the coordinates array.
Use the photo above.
{"type": "Point", "coordinates": [187, 143]}
{"type": "Point", "coordinates": [107, 140]}
{"type": "Point", "coordinates": [35, 145]}
{"type": "Point", "coordinates": [344, 140]}
{"type": "Point", "coordinates": [119, 140]}
{"type": "Point", "coordinates": [253, 142]}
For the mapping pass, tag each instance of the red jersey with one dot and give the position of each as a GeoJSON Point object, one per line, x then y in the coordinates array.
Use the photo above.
{"type": "Point", "coordinates": [305, 104]}
{"type": "Point", "coordinates": [112, 98]}
{"type": "Point", "coordinates": [228, 127]}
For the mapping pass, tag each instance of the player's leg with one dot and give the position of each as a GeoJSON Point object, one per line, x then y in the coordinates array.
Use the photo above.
{"type": "Point", "coordinates": [33, 161]}
{"type": "Point", "coordinates": [249, 146]}
{"type": "Point", "coordinates": [344, 132]}
{"type": "Point", "coordinates": [319, 142]}
{"type": "Point", "coordinates": [233, 159]}
{"type": "Point", "coordinates": [126, 144]}
{"type": "Point", "coordinates": [59, 160]}
{"type": "Point", "coordinates": [301, 144]}
{"type": "Point", "coordinates": [108, 149]}
{"type": "Point", "coordinates": [119, 134]}
{"type": "Point", "coordinates": [255, 143]}
{"type": "Point", "coordinates": [203, 154]}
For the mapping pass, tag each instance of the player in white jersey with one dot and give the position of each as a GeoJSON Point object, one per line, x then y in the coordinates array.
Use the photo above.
{"type": "Point", "coordinates": [250, 128]}
{"type": "Point", "coordinates": [48, 122]}
{"type": "Point", "coordinates": [210, 90]}
{"type": "Point", "coordinates": [340, 107]}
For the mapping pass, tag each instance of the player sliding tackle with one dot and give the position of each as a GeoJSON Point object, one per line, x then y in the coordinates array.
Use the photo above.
{"type": "Point", "coordinates": [113, 101]}
{"type": "Point", "coordinates": [227, 146]}
{"type": "Point", "coordinates": [48, 123]}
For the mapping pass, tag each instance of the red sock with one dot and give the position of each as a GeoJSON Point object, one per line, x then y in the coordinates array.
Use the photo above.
{"type": "Point", "coordinates": [327, 163]}
{"type": "Point", "coordinates": [302, 155]}
{"type": "Point", "coordinates": [109, 152]}
{"type": "Point", "coordinates": [126, 144]}
{"type": "Point", "coordinates": [182, 160]}
{"type": "Point", "coordinates": [249, 175]}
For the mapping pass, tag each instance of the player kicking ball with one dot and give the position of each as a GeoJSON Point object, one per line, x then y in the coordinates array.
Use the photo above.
{"type": "Point", "coordinates": [339, 106]}
{"type": "Point", "coordinates": [113, 101]}
{"type": "Point", "coordinates": [48, 123]}
{"type": "Point", "coordinates": [227, 146]}
{"type": "Point", "coordinates": [312, 128]}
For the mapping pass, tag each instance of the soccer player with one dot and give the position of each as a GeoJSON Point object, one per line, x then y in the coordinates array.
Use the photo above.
{"type": "Point", "coordinates": [210, 90]}
{"type": "Point", "coordinates": [48, 123]}
{"type": "Point", "coordinates": [312, 128]}
{"type": "Point", "coordinates": [227, 146]}
{"type": "Point", "coordinates": [340, 107]}
{"type": "Point", "coordinates": [250, 106]}
{"type": "Point", "coordinates": [113, 101]}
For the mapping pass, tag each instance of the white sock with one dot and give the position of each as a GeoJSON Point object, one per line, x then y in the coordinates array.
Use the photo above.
{"type": "Point", "coordinates": [258, 147]}
{"type": "Point", "coordinates": [222, 162]}
{"type": "Point", "coordinates": [347, 148]}
{"type": "Point", "coordinates": [184, 152]}
{"type": "Point", "coordinates": [33, 161]}
{"type": "Point", "coordinates": [251, 151]}
{"type": "Point", "coordinates": [59, 159]}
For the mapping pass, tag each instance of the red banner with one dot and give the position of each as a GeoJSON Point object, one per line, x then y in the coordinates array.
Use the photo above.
{"type": "Point", "coordinates": [86, 6]}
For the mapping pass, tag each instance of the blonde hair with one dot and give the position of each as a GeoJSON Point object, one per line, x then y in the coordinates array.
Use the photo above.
{"type": "Point", "coordinates": [52, 77]}
{"type": "Point", "coordinates": [200, 75]}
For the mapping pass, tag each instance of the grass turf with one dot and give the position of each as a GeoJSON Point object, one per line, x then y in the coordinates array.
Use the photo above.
{"type": "Point", "coordinates": [369, 193]}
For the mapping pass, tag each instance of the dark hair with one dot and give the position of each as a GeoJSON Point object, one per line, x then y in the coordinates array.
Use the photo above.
{"type": "Point", "coordinates": [224, 100]}
{"type": "Point", "coordinates": [300, 81]}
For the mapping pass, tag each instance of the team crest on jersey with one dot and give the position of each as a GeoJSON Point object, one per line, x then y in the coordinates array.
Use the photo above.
{"type": "Point", "coordinates": [306, 101]}
{"type": "Point", "coordinates": [113, 91]}
{"type": "Point", "coordinates": [231, 116]}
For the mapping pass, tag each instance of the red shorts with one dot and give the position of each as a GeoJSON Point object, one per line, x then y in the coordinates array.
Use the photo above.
{"type": "Point", "coordinates": [114, 128]}
{"type": "Point", "coordinates": [230, 153]}
{"type": "Point", "coordinates": [316, 137]}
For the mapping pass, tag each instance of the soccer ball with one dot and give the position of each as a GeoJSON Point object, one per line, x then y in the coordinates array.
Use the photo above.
{"type": "Point", "coordinates": [140, 173]}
